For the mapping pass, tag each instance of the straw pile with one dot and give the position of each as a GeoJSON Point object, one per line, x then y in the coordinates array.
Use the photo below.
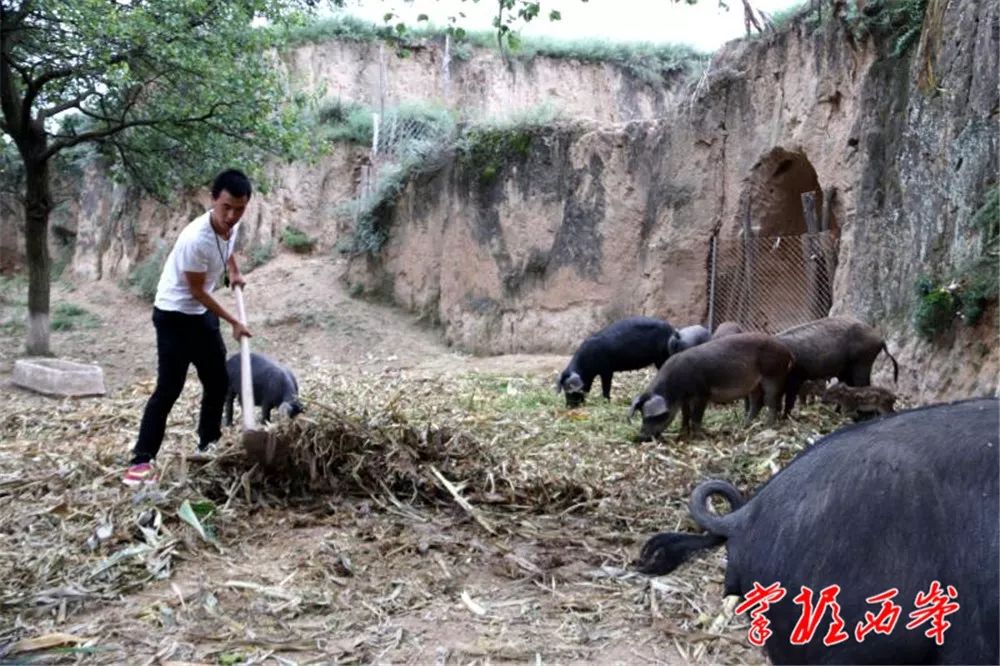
{"type": "Point", "coordinates": [432, 486]}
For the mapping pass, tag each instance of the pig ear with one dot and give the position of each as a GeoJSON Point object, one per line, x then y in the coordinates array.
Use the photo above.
{"type": "Point", "coordinates": [655, 406]}
{"type": "Point", "coordinates": [573, 383]}
{"type": "Point", "coordinates": [636, 404]}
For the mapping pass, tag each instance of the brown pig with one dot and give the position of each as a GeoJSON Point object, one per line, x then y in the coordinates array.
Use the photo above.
{"type": "Point", "coordinates": [854, 399]}
{"type": "Point", "coordinates": [839, 347]}
{"type": "Point", "coordinates": [727, 328]}
{"type": "Point", "coordinates": [750, 365]}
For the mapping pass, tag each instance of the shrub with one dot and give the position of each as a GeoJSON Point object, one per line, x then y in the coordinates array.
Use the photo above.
{"type": "Point", "coordinates": [66, 316]}
{"type": "Point", "coordinates": [485, 149]}
{"type": "Point", "coordinates": [980, 288]}
{"type": "Point", "coordinates": [894, 22]}
{"type": "Point", "coordinates": [146, 274]}
{"type": "Point", "coordinates": [645, 60]}
{"type": "Point", "coordinates": [296, 240]}
{"type": "Point", "coordinates": [936, 309]}
{"type": "Point", "coordinates": [371, 231]}
{"type": "Point", "coordinates": [258, 256]}
{"type": "Point", "coordinates": [965, 299]}
{"type": "Point", "coordinates": [787, 15]}
{"type": "Point", "coordinates": [345, 121]}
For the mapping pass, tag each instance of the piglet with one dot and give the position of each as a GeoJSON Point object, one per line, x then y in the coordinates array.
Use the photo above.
{"type": "Point", "coordinates": [274, 385]}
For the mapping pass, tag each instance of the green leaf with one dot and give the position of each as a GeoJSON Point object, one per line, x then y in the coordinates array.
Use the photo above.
{"type": "Point", "coordinates": [422, 17]}
{"type": "Point", "coordinates": [186, 513]}
{"type": "Point", "coordinates": [230, 658]}
{"type": "Point", "coordinates": [554, 15]}
{"type": "Point", "coordinates": [203, 508]}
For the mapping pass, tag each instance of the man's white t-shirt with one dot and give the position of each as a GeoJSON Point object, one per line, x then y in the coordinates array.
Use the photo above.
{"type": "Point", "coordinates": [198, 250]}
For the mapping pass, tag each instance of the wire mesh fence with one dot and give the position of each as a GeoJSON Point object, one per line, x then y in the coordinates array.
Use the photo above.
{"type": "Point", "coordinates": [404, 137]}
{"type": "Point", "coordinates": [769, 284]}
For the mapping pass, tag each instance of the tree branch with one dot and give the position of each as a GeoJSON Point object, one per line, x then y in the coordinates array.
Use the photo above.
{"type": "Point", "coordinates": [120, 125]}
{"type": "Point", "coordinates": [9, 97]}
{"type": "Point", "coordinates": [94, 135]}
{"type": "Point", "coordinates": [65, 106]}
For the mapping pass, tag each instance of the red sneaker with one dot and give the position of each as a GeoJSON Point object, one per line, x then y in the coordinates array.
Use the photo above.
{"type": "Point", "coordinates": [136, 475]}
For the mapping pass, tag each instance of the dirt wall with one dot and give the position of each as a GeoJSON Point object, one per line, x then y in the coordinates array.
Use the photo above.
{"type": "Point", "coordinates": [610, 213]}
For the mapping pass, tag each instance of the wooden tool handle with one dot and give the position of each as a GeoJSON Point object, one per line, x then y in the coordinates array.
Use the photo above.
{"type": "Point", "coordinates": [246, 376]}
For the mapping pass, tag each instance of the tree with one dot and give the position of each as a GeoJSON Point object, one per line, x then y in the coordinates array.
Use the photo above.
{"type": "Point", "coordinates": [171, 90]}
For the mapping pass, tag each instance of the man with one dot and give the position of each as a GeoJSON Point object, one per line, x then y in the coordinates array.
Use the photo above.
{"type": "Point", "coordinates": [186, 317]}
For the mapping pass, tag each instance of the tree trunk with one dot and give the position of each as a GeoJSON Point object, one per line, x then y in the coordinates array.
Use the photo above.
{"type": "Point", "coordinates": [37, 205]}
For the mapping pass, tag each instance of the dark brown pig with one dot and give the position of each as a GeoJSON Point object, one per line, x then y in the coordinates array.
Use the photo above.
{"type": "Point", "coordinates": [838, 347]}
{"type": "Point", "coordinates": [750, 365]}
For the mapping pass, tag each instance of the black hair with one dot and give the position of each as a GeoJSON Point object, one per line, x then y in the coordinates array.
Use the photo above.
{"type": "Point", "coordinates": [233, 181]}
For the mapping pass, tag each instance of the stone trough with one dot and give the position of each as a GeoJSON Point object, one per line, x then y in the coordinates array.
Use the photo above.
{"type": "Point", "coordinates": [53, 376]}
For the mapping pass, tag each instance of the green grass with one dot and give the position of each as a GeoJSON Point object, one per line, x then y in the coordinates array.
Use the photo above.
{"type": "Point", "coordinates": [297, 240]}
{"type": "Point", "coordinates": [14, 290]}
{"type": "Point", "coordinates": [67, 316]}
{"type": "Point", "coordinates": [412, 128]}
{"type": "Point", "coordinates": [258, 256]}
{"type": "Point", "coordinates": [485, 148]}
{"type": "Point", "coordinates": [13, 303]}
{"type": "Point", "coordinates": [523, 399]}
{"type": "Point", "coordinates": [785, 16]}
{"type": "Point", "coordinates": [340, 121]}
{"type": "Point", "coordinates": [647, 61]}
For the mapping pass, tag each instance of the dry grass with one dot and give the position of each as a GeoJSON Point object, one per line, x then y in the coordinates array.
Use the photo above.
{"type": "Point", "coordinates": [419, 519]}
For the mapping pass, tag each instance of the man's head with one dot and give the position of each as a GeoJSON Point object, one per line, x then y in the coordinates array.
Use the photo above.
{"type": "Point", "coordinates": [231, 192]}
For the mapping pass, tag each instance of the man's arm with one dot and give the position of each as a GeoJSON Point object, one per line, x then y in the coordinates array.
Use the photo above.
{"type": "Point", "coordinates": [196, 282]}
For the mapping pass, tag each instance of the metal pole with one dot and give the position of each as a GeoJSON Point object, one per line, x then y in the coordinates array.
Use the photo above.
{"type": "Point", "coordinates": [748, 267]}
{"type": "Point", "coordinates": [814, 299]}
{"type": "Point", "coordinates": [711, 284]}
{"type": "Point", "coordinates": [446, 69]}
{"type": "Point", "coordinates": [382, 76]}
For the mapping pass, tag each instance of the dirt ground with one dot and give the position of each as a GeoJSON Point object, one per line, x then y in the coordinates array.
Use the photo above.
{"type": "Point", "coordinates": [324, 579]}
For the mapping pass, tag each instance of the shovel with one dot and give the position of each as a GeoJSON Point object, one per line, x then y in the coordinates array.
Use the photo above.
{"type": "Point", "coordinates": [258, 443]}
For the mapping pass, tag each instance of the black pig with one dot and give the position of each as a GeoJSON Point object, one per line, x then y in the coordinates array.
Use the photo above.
{"type": "Point", "coordinates": [273, 386]}
{"type": "Point", "coordinates": [627, 344]}
{"type": "Point", "coordinates": [896, 503]}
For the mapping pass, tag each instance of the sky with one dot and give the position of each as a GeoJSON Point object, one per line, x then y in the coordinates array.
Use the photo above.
{"type": "Point", "coordinates": [704, 25]}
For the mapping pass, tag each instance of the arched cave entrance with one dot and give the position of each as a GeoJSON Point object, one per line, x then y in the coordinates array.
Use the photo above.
{"type": "Point", "coordinates": [775, 269]}
{"type": "Point", "coordinates": [774, 190]}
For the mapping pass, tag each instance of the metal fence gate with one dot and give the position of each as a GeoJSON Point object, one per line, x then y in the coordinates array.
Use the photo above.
{"type": "Point", "coordinates": [771, 283]}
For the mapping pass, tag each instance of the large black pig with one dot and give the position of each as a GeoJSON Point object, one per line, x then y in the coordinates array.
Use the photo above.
{"type": "Point", "coordinates": [628, 344]}
{"type": "Point", "coordinates": [895, 503]}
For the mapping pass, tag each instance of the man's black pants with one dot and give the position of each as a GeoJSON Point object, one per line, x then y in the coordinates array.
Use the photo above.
{"type": "Point", "coordinates": [183, 339]}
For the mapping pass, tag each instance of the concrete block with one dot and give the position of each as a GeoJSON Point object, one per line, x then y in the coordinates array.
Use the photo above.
{"type": "Point", "coordinates": [53, 376]}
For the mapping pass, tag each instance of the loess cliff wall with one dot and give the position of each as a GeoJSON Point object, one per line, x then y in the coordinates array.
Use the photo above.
{"type": "Point", "coordinates": [610, 212]}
